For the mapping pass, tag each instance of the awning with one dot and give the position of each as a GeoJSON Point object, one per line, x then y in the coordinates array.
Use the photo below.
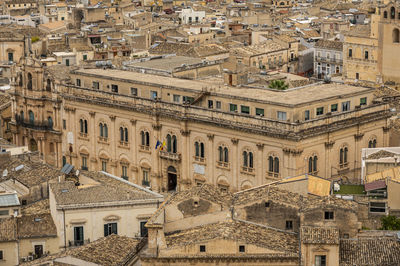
{"type": "Point", "coordinates": [375, 185]}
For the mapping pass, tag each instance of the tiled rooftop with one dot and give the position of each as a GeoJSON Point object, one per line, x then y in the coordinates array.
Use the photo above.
{"type": "Point", "coordinates": [332, 45]}
{"type": "Point", "coordinates": [36, 225]}
{"type": "Point", "coordinates": [278, 241]}
{"type": "Point", "coordinates": [112, 250]}
{"type": "Point", "coordinates": [107, 190]}
{"type": "Point", "coordinates": [319, 235]}
{"type": "Point", "coordinates": [30, 174]}
{"type": "Point", "coordinates": [8, 229]}
{"type": "Point", "coordinates": [370, 251]}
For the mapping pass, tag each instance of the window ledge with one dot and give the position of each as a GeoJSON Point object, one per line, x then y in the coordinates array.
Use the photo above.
{"type": "Point", "coordinates": [248, 170]}
{"type": "Point", "coordinates": [200, 160]}
{"type": "Point", "coordinates": [223, 165]}
{"type": "Point", "coordinates": [144, 148]}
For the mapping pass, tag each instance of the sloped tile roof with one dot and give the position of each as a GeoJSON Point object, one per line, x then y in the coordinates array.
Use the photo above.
{"type": "Point", "coordinates": [279, 241]}
{"type": "Point", "coordinates": [369, 251]}
{"type": "Point", "coordinates": [375, 185]}
{"type": "Point", "coordinates": [36, 225]}
{"type": "Point", "coordinates": [319, 235]}
{"type": "Point", "coordinates": [112, 250]}
{"type": "Point", "coordinates": [8, 229]}
{"type": "Point", "coordinates": [326, 44]}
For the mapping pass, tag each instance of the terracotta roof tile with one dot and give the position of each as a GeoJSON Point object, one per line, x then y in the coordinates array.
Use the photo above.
{"type": "Point", "coordinates": [319, 235]}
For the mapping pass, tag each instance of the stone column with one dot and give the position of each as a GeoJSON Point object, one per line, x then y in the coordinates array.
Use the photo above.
{"type": "Point", "coordinates": [93, 140]}
{"type": "Point", "coordinates": [210, 160]}
{"type": "Point", "coordinates": [260, 172]}
{"type": "Point", "coordinates": [328, 164]}
{"type": "Point", "coordinates": [185, 156]}
{"type": "Point", "coordinates": [235, 164]}
{"type": "Point", "coordinates": [133, 147]}
{"type": "Point", "coordinates": [157, 177]}
{"type": "Point", "coordinates": [113, 144]}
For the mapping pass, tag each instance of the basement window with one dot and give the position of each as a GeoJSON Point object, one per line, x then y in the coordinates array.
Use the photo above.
{"type": "Point", "coordinates": [202, 248]}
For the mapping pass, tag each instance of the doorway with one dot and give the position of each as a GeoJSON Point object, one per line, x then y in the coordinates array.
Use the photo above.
{"type": "Point", "coordinates": [33, 145]}
{"type": "Point", "coordinates": [172, 178]}
{"type": "Point", "coordinates": [78, 236]}
{"type": "Point", "coordinates": [38, 251]}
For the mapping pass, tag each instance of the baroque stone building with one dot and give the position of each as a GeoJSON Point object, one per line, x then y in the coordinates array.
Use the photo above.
{"type": "Point", "coordinates": [233, 137]}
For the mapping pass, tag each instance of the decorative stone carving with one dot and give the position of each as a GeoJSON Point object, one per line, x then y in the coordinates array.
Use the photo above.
{"type": "Point", "coordinates": [133, 122]}
{"type": "Point", "coordinates": [156, 126]}
{"type": "Point", "coordinates": [358, 136]}
{"type": "Point", "coordinates": [185, 132]}
{"type": "Point", "coordinates": [210, 136]}
{"type": "Point", "coordinates": [260, 146]}
{"type": "Point", "coordinates": [235, 141]}
{"type": "Point", "coordinates": [329, 144]}
{"type": "Point", "coordinates": [112, 117]}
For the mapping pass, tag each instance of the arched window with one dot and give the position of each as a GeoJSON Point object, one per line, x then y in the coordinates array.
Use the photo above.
{"type": "Point", "coordinates": [31, 117]}
{"type": "Point", "coordinates": [197, 149]}
{"type": "Point", "coordinates": [385, 14]}
{"type": "Point", "coordinates": [64, 160]}
{"type": "Point", "coordinates": [343, 156]}
{"type": "Point", "coordinates": [398, 16]}
{"type": "Point", "coordinates": [126, 134]}
{"type": "Point", "coordinates": [396, 35]}
{"type": "Point", "coordinates": [105, 130]}
{"type": "Point", "coordinates": [50, 122]}
{"type": "Point", "coordinates": [174, 144]}
{"type": "Point", "coordinates": [143, 138]}
{"type": "Point", "coordinates": [273, 166]}
{"type": "Point", "coordinates": [169, 143]}
{"type": "Point", "coordinates": [250, 159]}
{"type": "Point", "coordinates": [121, 134]}
{"type": "Point", "coordinates": [29, 83]}
{"type": "Point", "coordinates": [226, 159]}
{"type": "Point", "coordinates": [312, 164]}
{"type": "Point", "coordinates": [101, 129]}
{"type": "Point", "coordinates": [245, 161]}
{"type": "Point", "coordinates": [51, 147]}
{"type": "Point", "coordinates": [220, 154]}
{"type": "Point", "coordinates": [48, 85]}
{"type": "Point", "coordinates": [147, 139]}
{"type": "Point", "coordinates": [372, 143]}
{"type": "Point", "coordinates": [201, 149]}
{"type": "Point", "coordinates": [392, 13]}
{"type": "Point", "coordinates": [22, 116]}
{"type": "Point", "coordinates": [81, 125]}
{"type": "Point", "coordinates": [86, 126]}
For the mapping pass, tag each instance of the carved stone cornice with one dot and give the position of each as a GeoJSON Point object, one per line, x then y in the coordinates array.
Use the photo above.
{"type": "Point", "coordinates": [292, 151]}
{"type": "Point", "coordinates": [133, 122]}
{"type": "Point", "coordinates": [112, 117]}
{"type": "Point", "coordinates": [210, 136]}
{"type": "Point", "coordinates": [358, 136]}
{"type": "Point", "coordinates": [156, 126]}
{"type": "Point", "coordinates": [386, 129]}
{"type": "Point", "coordinates": [329, 144]}
{"type": "Point", "coordinates": [260, 146]}
{"type": "Point", "coordinates": [185, 133]}
{"type": "Point", "coordinates": [235, 141]}
{"type": "Point", "coordinates": [70, 109]}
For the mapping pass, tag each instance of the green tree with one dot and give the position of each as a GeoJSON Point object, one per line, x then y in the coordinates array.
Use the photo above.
{"type": "Point", "coordinates": [278, 85]}
{"type": "Point", "coordinates": [390, 223]}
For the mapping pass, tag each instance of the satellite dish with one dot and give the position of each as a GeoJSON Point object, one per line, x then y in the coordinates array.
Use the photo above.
{"type": "Point", "coordinates": [77, 172]}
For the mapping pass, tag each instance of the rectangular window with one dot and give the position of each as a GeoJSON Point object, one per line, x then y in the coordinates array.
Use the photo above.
{"type": "Point", "coordinates": [346, 106]}
{"type": "Point", "coordinates": [363, 101]}
{"type": "Point", "coordinates": [124, 172]}
{"type": "Point", "coordinates": [334, 107]}
{"type": "Point", "coordinates": [10, 57]}
{"type": "Point", "coordinates": [84, 163]}
{"type": "Point", "coordinates": [260, 111]}
{"type": "Point", "coordinates": [134, 91]}
{"type": "Point", "coordinates": [244, 109]}
{"type": "Point", "coordinates": [307, 115]}
{"type": "Point", "coordinates": [377, 207]}
{"type": "Point", "coordinates": [95, 85]}
{"type": "Point", "coordinates": [242, 248]}
{"type": "Point", "coordinates": [210, 104]}
{"type": "Point", "coordinates": [320, 110]}
{"type": "Point", "coordinates": [64, 124]}
{"type": "Point", "coordinates": [289, 225]}
{"type": "Point", "coordinates": [85, 55]}
{"type": "Point", "coordinates": [320, 260]}
{"type": "Point", "coordinates": [366, 55]}
{"type": "Point", "coordinates": [78, 82]}
{"type": "Point", "coordinates": [114, 88]}
{"type": "Point", "coordinates": [104, 166]}
{"type": "Point", "coordinates": [232, 107]}
{"type": "Point", "coordinates": [4, 212]}
{"type": "Point", "coordinates": [1, 255]}
{"type": "Point", "coordinates": [328, 215]}
{"type": "Point", "coordinates": [110, 228]}
{"type": "Point", "coordinates": [67, 62]}
{"type": "Point", "coordinates": [146, 180]}
{"type": "Point", "coordinates": [177, 98]}
{"type": "Point", "coordinates": [218, 104]}
{"type": "Point", "coordinates": [357, 76]}
{"type": "Point", "coordinates": [350, 53]}
{"type": "Point", "coordinates": [78, 236]}
{"type": "Point", "coordinates": [187, 99]}
{"type": "Point", "coordinates": [202, 248]}
{"type": "Point", "coordinates": [143, 229]}
{"type": "Point", "coordinates": [153, 95]}
{"type": "Point", "coordinates": [281, 116]}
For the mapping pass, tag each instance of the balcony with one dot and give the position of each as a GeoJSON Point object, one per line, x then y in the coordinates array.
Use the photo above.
{"type": "Point", "coordinates": [36, 125]}
{"type": "Point", "coordinates": [170, 156]}
{"type": "Point", "coordinates": [144, 148]}
{"type": "Point", "coordinates": [248, 170]}
{"type": "Point", "coordinates": [329, 60]}
{"type": "Point", "coordinates": [123, 144]}
{"type": "Point", "coordinates": [200, 159]}
{"type": "Point", "coordinates": [77, 243]}
{"type": "Point", "coordinates": [273, 174]}
{"type": "Point", "coordinates": [222, 164]}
